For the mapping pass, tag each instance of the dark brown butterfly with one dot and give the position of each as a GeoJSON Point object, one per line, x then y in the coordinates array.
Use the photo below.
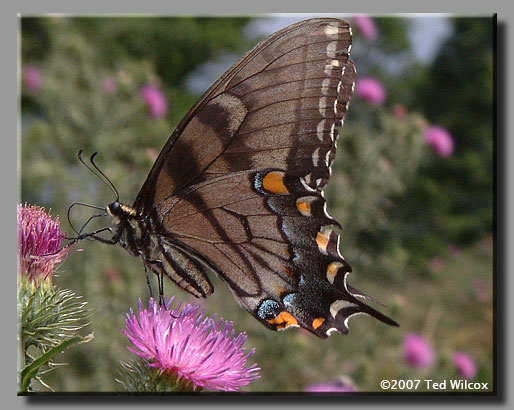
{"type": "Point", "coordinates": [238, 186]}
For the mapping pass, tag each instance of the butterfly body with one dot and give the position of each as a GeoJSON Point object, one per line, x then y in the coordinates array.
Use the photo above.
{"type": "Point", "coordinates": [238, 186]}
{"type": "Point", "coordinates": [141, 236]}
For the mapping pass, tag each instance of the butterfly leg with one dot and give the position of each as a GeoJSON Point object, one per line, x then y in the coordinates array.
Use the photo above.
{"type": "Point", "coordinates": [146, 275]}
{"type": "Point", "coordinates": [161, 289]}
{"type": "Point", "coordinates": [95, 236]}
{"type": "Point", "coordinates": [160, 277]}
{"type": "Point", "coordinates": [113, 241]}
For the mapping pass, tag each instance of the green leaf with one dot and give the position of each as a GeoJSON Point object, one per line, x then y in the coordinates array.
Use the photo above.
{"type": "Point", "coordinates": [31, 370]}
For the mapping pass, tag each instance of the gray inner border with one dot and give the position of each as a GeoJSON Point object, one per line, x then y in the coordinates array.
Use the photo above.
{"type": "Point", "coordinates": [8, 163]}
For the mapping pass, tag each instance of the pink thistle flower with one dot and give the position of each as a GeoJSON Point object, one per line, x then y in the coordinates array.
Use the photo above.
{"type": "Point", "coordinates": [32, 78]}
{"type": "Point", "coordinates": [155, 100]}
{"type": "Point", "coordinates": [465, 364]}
{"type": "Point", "coordinates": [330, 387]}
{"type": "Point", "coordinates": [440, 140]}
{"type": "Point", "coordinates": [39, 243]}
{"type": "Point", "coordinates": [109, 85]}
{"type": "Point", "coordinates": [366, 25]}
{"type": "Point", "coordinates": [418, 352]}
{"type": "Point", "coordinates": [371, 90]}
{"type": "Point", "coordinates": [181, 343]}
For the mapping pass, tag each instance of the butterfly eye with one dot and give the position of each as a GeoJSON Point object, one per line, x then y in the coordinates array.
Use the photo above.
{"type": "Point", "coordinates": [114, 207]}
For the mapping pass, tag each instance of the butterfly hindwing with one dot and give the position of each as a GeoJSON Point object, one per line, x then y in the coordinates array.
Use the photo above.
{"type": "Point", "coordinates": [267, 234]}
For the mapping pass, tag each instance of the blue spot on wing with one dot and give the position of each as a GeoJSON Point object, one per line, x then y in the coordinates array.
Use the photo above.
{"type": "Point", "coordinates": [268, 309]}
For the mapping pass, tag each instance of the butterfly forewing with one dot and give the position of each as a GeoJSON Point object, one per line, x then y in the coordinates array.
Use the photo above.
{"type": "Point", "coordinates": [279, 106]}
{"type": "Point", "coordinates": [238, 184]}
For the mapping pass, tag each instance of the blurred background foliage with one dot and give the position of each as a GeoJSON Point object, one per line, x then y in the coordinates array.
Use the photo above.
{"type": "Point", "coordinates": [417, 226]}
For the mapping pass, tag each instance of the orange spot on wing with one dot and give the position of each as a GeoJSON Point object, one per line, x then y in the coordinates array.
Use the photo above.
{"type": "Point", "coordinates": [322, 241]}
{"type": "Point", "coordinates": [303, 207]}
{"type": "Point", "coordinates": [283, 320]}
{"type": "Point", "coordinates": [274, 182]}
{"type": "Point", "coordinates": [333, 268]}
{"type": "Point", "coordinates": [317, 322]}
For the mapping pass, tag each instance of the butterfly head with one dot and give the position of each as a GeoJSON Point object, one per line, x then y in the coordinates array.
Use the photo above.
{"type": "Point", "coordinates": [120, 211]}
{"type": "Point", "coordinates": [114, 208]}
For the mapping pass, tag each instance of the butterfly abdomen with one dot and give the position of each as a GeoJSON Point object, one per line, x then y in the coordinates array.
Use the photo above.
{"type": "Point", "coordinates": [144, 237]}
{"type": "Point", "coordinates": [181, 268]}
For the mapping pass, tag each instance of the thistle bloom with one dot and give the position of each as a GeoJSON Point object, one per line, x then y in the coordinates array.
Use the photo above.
{"type": "Point", "coordinates": [155, 100]}
{"type": "Point", "coordinates": [418, 352]}
{"type": "Point", "coordinates": [465, 364]}
{"type": "Point", "coordinates": [32, 78]}
{"type": "Point", "coordinates": [366, 26]}
{"type": "Point", "coordinates": [182, 344]}
{"type": "Point", "coordinates": [440, 140]}
{"type": "Point", "coordinates": [39, 243]}
{"type": "Point", "coordinates": [371, 90]}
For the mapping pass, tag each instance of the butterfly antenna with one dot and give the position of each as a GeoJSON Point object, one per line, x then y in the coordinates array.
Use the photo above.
{"type": "Point", "coordinates": [113, 188]}
{"type": "Point", "coordinates": [96, 174]}
{"type": "Point", "coordinates": [69, 220]}
{"type": "Point", "coordinates": [89, 220]}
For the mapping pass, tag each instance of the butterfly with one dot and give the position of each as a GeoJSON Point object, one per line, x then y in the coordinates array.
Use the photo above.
{"type": "Point", "coordinates": [238, 186]}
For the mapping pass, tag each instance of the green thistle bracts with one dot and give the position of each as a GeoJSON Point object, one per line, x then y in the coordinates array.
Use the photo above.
{"type": "Point", "coordinates": [48, 319]}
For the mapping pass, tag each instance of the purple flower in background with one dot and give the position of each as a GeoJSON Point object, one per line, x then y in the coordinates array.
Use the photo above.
{"type": "Point", "coordinates": [152, 154]}
{"type": "Point", "coordinates": [197, 350]}
{"type": "Point", "coordinates": [330, 387]}
{"type": "Point", "coordinates": [418, 352]}
{"type": "Point", "coordinates": [39, 243]}
{"type": "Point", "coordinates": [436, 264]}
{"type": "Point", "coordinates": [440, 139]}
{"type": "Point", "coordinates": [371, 90]}
{"type": "Point", "coordinates": [465, 364]}
{"type": "Point", "coordinates": [479, 289]}
{"type": "Point", "coordinates": [112, 274]}
{"type": "Point", "coordinates": [399, 111]}
{"type": "Point", "coordinates": [110, 85]}
{"type": "Point", "coordinates": [32, 78]}
{"type": "Point", "coordinates": [366, 26]}
{"type": "Point", "coordinates": [454, 249]}
{"type": "Point", "coordinates": [155, 100]}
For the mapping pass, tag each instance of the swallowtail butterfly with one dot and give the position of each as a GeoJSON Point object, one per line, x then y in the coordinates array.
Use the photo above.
{"type": "Point", "coordinates": [238, 186]}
